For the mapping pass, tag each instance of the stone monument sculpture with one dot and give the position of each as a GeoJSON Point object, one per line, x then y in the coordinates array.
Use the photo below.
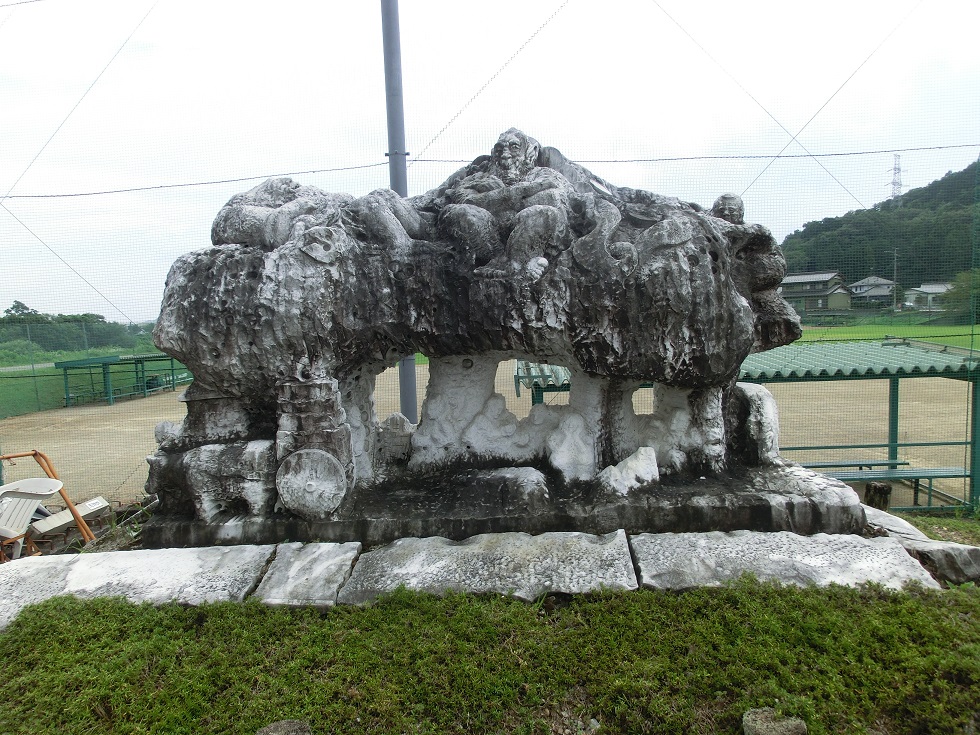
{"type": "Point", "coordinates": [306, 296]}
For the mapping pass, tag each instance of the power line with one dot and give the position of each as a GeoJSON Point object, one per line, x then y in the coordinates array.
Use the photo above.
{"type": "Point", "coordinates": [80, 99]}
{"type": "Point", "coordinates": [747, 156]}
{"type": "Point", "coordinates": [69, 265]}
{"type": "Point", "coordinates": [768, 155]}
{"type": "Point", "coordinates": [752, 97]}
{"type": "Point", "coordinates": [48, 142]}
{"type": "Point", "coordinates": [793, 138]}
{"type": "Point", "coordinates": [193, 183]}
{"type": "Point", "coordinates": [666, 159]}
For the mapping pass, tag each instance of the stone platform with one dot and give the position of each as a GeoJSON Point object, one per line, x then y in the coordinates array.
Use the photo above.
{"type": "Point", "coordinates": [460, 505]}
{"type": "Point", "coordinates": [518, 564]}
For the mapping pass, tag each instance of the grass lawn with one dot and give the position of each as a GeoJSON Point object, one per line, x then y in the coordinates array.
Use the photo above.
{"type": "Point", "coordinates": [845, 660]}
{"type": "Point", "coordinates": [958, 529]}
{"type": "Point", "coordinates": [41, 389]}
{"type": "Point", "coordinates": [26, 392]}
{"type": "Point", "coordinates": [955, 336]}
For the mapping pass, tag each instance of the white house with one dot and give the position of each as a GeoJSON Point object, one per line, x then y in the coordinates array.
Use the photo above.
{"type": "Point", "coordinates": [927, 296]}
{"type": "Point", "coordinates": [872, 291]}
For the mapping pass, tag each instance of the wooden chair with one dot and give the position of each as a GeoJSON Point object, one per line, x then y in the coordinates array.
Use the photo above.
{"type": "Point", "coordinates": [18, 501]}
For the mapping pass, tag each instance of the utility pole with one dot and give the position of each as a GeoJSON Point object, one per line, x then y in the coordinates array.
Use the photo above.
{"type": "Point", "coordinates": [896, 193]}
{"type": "Point", "coordinates": [895, 280]}
{"type": "Point", "coordinates": [397, 167]}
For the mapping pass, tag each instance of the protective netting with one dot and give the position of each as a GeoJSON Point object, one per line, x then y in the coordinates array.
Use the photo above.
{"type": "Point", "coordinates": [877, 209]}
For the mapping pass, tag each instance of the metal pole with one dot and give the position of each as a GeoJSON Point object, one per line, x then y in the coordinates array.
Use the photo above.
{"type": "Point", "coordinates": [397, 167]}
{"type": "Point", "coordinates": [394, 99]}
{"type": "Point", "coordinates": [895, 282]}
{"type": "Point", "coordinates": [37, 394]}
{"type": "Point", "coordinates": [975, 445]}
{"type": "Point", "coordinates": [893, 388]}
{"type": "Point", "coordinates": [107, 384]}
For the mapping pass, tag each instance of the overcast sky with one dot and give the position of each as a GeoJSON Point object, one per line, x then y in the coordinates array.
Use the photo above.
{"type": "Point", "coordinates": [100, 95]}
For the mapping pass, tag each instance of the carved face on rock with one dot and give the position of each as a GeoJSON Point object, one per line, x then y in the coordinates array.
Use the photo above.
{"type": "Point", "coordinates": [513, 156]}
{"type": "Point", "coordinates": [730, 208]}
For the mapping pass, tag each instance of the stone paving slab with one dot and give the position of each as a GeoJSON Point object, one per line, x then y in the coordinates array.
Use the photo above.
{"type": "Point", "coordinates": [948, 561]}
{"type": "Point", "coordinates": [685, 560]}
{"type": "Point", "coordinates": [506, 563]}
{"type": "Point", "coordinates": [187, 576]}
{"type": "Point", "coordinates": [307, 574]}
{"type": "Point", "coordinates": [29, 581]}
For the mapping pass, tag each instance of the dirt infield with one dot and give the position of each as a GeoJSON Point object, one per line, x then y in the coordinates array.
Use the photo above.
{"type": "Point", "coordinates": [96, 449]}
{"type": "Point", "coordinates": [101, 450]}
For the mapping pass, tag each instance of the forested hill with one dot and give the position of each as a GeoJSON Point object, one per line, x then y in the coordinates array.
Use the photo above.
{"type": "Point", "coordinates": [932, 229]}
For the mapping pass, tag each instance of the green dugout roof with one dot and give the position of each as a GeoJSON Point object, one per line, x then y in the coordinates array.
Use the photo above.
{"type": "Point", "coordinates": [893, 358]}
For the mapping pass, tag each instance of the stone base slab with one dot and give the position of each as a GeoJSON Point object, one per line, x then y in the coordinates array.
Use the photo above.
{"type": "Point", "coordinates": [186, 576]}
{"type": "Point", "coordinates": [947, 561]}
{"type": "Point", "coordinates": [307, 575]}
{"type": "Point", "coordinates": [510, 563]}
{"type": "Point", "coordinates": [678, 561]}
{"type": "Point", "coordinates": [517, 564]}
{"type": "Point", "coordinates": [787, 498]}
{"type": "Point", "coordinates": [30, 580]}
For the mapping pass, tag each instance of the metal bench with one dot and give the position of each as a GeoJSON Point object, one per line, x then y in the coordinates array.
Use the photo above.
{"type": "Point", "coordinates": [915, 475]}
{"type": "Point", "coordinates": [860, 464]}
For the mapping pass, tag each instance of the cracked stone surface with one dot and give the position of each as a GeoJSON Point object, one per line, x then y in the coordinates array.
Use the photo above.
{"type": "Point", "coordinates": [188, 576]}
{"type": "Point", "coordinates": [686, 560]}
{"type": "Point", "coordinates": [307, 574]}
{"type": "Point", "coordinates": [31, 580]}
{"type": "Point", "coordinates": [508, 563]}
{"type": "Point", "coordinates": [516, 564]}
{"type": "Point", "coordinates": [949, 562]}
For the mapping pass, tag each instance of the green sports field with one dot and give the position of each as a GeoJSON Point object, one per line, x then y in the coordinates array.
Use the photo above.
{"type": "Point", "coordinates": [957, 336]}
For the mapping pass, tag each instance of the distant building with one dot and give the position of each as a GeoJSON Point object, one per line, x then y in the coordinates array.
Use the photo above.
{"type": "Point", "coordinates": [872, 292]}
{"type": "Point", "coordinates": [927, 296]}
{"type": "Point", "coordinates": [816, 292]}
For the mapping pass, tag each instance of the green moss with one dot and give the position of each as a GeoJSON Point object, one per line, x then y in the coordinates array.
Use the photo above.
{"type": "Point", "coordinates": [959, 529]}
{"type": "Point", "coordinates": [641, 662]}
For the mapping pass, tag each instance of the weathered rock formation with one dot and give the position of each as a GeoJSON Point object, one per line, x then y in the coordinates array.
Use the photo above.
{"type": "Point", "coordinates": [307, 296]}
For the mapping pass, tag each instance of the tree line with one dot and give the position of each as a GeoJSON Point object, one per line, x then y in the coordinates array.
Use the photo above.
{"type": "Point", "coordinates": [927, 235]}
{"type": "Point", "coordinates": [23, 329]}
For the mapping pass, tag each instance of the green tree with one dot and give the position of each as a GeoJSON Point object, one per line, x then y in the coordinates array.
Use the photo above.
{"type": "Point", "coordinates": [926, 235]}
{"type": "Point", "coordinates": [963, 299]}
{"type": "Point", "coordinates": [21, 313]}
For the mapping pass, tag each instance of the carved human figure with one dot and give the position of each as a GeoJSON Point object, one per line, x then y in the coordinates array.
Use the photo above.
{"type": "Point", "coordinates": [758, 270]}
{"type": "Point", "coordinates": [514, 214]}
{"type": "Point", "coordinates": [274, 212]}
{"type": "Point", "coordinates": [730, 208]}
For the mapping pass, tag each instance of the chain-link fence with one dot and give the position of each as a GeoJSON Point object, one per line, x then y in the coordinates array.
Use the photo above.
{"type": "Point", "coordinates": [34, 348]}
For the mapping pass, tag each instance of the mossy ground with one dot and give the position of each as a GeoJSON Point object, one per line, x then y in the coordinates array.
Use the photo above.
{"type": "Point", "coordinates": [845, 660]}
{"type": "Point", "coordinates": [956, 528]}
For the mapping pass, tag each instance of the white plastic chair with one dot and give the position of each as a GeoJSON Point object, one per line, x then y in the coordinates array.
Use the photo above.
{"type": "Point", "coordinates": [18, 501]}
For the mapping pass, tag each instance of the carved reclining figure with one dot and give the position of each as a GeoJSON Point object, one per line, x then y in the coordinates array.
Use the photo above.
{"type": "Point", "coordinates": [307, 296]}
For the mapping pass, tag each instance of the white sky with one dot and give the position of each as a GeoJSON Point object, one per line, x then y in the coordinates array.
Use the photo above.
{"type": "Point", "coordinates": [211, 90]}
